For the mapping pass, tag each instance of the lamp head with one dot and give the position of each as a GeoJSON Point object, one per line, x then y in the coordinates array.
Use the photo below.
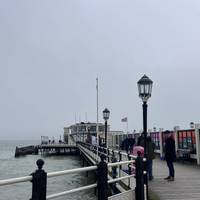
{"type": "Point", "coordinates": [106, 114]}
{"type": "Point", "coordinates": [145, 88]}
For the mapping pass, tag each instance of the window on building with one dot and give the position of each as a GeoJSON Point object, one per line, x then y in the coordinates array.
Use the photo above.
{"type": "Point", "coordinates": [93, 128]}
{"type": "Point", "coordinates": [101, 128]}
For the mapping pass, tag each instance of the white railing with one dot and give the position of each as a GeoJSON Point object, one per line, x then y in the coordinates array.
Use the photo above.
{"type": "Point", "coordinates": [49, 175]}
{"type": "Point", "coordinates": [53, 196]}
{"type": "Point", "coordinates": [111, 151]}
{"type": "Point", "coordinates": [88, 149]}
{"type": "Point", "coordinates": [15, 180]}
{"type": "Point", "coordinates": [71, 171]}
{"type": "Point", "coordinates": [65, 172]}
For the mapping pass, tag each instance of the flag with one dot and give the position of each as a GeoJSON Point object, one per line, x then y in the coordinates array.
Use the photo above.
{"type": "Point", "coordinates": [125, 119]}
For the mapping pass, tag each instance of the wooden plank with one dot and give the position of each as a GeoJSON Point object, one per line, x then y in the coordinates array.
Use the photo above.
{"type": "Point", "coordinates": [185, 186]}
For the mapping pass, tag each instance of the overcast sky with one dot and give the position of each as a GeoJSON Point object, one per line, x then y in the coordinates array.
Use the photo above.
{"type": "Point", "coordinates": [52, 51]}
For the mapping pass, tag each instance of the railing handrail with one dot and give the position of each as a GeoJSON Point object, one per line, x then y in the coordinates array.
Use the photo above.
{"type": "Point", "coordinates": [60, 173]}
{"type": "Point", "coordinates": [71, 171]}
{"type": "Point", "coordinates": [110, 150]}
{"type": "Point", "coordinates": [52, 196]}
{"type": "Point", "coordinates": [121, 178]}
{"type": "Point", "coordinates": [15, 180]}
{"type": "Point", "coordinates": [115, 151]}
{"type": "Point", "coordinates": [120, 163]}
{"type": "Point", "coordinates": [101, 169]}
{"type": "Point", "coordinates": [49, 175]}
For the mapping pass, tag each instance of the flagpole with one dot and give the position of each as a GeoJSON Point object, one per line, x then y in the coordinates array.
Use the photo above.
{"type": "Point", "coordinates": [127, 126]}
{"type": "Point", "coordinates": [97, 127]}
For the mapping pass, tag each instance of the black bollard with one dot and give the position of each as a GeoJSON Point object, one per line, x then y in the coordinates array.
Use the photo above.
{"type": "Point", "coordinates": [39, 182]}
{"type": "Point", "coordinates": [102, 179]}
{"type": "Point", "coordinates": [139, 190]}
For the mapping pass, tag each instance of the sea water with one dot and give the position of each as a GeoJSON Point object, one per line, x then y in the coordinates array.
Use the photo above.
{"type": "Point", "coordinates": [11, 167]}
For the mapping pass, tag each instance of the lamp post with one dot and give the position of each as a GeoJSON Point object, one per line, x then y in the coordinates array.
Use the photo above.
{"type": "Point", "coordinates": [106, 114]}
{"type": "Point", "coordinates": [145, 89]}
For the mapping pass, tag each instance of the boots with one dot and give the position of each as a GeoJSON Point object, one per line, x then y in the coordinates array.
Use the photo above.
{"type": "Point", "coordinates": [169, 178]}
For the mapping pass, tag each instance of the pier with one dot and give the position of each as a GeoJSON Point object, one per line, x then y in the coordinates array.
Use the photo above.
{"type": "Point", "coordinates": [128, 183]}
{"type": "Point", "coordinates": [186, 185]}
{"type": "Point", "coordinates": [58, 149]}
{"type": "Point", "coordinates": [47, 149]}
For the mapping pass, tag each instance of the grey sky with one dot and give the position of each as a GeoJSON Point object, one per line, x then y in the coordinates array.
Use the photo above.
{"type": "Point", "coordinates": [52, 51]}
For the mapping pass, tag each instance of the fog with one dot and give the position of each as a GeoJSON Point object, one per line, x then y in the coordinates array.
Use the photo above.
{"type": "Point", "coordinates": [52, 51]}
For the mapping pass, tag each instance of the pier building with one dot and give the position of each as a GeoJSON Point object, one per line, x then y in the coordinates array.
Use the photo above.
{"type": "Point", "coordinates": [83, 132]}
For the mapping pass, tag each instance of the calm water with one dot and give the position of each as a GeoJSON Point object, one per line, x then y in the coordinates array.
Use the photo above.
{"type": "Point", "coordinates": [11, 167]}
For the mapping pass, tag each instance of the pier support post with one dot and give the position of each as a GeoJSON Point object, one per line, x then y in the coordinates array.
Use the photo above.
{"type": "Point", "coordinates": [39, 182]}
{"type": "Point", "coordinates": [129, 170]}
{"type": "Point", "coordinates": [102, 179]}
{"type": "Point", "coordinates": [108, 155]}
{"type": "Point", "coordinates": [139, 189]}
{"type": "Point", "coordinates": [120, 159]}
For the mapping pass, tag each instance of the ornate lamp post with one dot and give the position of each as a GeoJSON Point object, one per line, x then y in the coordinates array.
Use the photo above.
{"type": "Point", "coordinates": [106, 114]}
{"type": "Point", "coordinates": [145, 89]}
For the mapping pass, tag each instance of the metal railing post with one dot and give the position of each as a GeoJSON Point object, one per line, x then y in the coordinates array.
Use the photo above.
{"type": "Point", "coordinates": [129, 170]}
{"type": "Point", "coordinates": [39, 182]}
{"type": "Point", "coordinates": [108, 155]}
{"type": "Point", "coordinates": [120, 159]}
{"type": "Point", "coordinates": [102, 179]}
{"type": "Point", "coordinates": [114, 174]}
{"type": "Point", "coordinates": [139, 190]}
{"type": "Point", "coordinates": [146, 179]}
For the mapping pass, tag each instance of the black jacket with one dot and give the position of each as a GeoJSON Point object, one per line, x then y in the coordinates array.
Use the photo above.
{"type": "Point", "coordinates": [170, 152]}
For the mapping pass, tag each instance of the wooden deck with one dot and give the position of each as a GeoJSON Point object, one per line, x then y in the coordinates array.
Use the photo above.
{"type": "Point", "coordinates": [186, 185]}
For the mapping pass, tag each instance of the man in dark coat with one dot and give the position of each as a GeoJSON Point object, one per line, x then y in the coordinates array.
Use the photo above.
{"type": "Point", "coordinates": [170, 154]}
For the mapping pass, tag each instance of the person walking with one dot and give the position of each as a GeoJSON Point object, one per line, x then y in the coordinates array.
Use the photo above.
{"type": "Point", "coordinates": [150, 154]}
{"type": "Point", "coordinates": [170, 154]}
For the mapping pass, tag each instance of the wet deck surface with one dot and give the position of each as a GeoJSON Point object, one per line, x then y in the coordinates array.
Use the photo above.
{"type": "Point", "coordinates": [185, 186]}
